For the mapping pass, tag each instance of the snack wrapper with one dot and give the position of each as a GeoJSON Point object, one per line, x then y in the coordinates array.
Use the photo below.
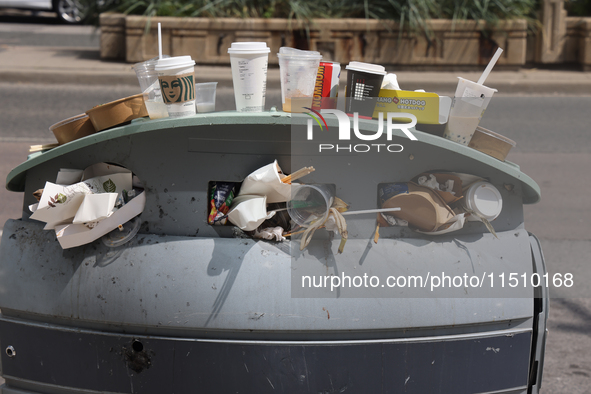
{"type": "Point", "coordinates": [221, 197]}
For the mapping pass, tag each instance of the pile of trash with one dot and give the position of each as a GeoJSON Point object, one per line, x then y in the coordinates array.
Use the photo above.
{"type": "Point", "coordinates": [439, 203]}
{"type": "Point", "coordinates": [84, 205]}
{"type": "Point", "coordinates": [265, 204]}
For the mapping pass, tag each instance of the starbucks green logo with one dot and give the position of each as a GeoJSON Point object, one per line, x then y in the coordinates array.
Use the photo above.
{"type": "Point", "coordinates": [177, 88]}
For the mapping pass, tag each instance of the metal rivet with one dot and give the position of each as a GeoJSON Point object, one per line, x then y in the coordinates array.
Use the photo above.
{"type": "Point", "coordinates": [10, 352]}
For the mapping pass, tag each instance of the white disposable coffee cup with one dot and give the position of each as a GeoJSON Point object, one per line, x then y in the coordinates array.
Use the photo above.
{"type": "Point", "coordinates": [249, 74]}
{"type": "Point", "coordinates": [483, 199]}
{"type": "Point", "coordinates": [177, 84]}
{"type": "Point", "coordinates": [469, 104]}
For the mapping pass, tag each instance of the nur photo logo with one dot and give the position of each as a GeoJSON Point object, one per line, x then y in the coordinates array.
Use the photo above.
{"type": "Point", "coordinates": [344, 131]}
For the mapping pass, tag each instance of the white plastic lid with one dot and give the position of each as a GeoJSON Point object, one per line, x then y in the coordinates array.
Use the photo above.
{"type": "Point", "coordinates": [148, 65]}
{"type": "Point", "coordinates": [367, 67]}
{"type": "Point", "coordinates": [484, 199]}
{"type": "Point", "coordinates": [298, 53]}
{"type": "Point", "coordinates": [172, 63]}
{"type": "Point", "coordinates": [249, 47]}
{"type": "Point", "coordinates": [476, 86]}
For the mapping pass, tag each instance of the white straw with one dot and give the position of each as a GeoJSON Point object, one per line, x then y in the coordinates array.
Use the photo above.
{"type": "Point", "coordinates": [370, 211]}
{"type": "Point", "coordinates": [490, 66]}
{"type": "Point", "coordinates": [159, 42]}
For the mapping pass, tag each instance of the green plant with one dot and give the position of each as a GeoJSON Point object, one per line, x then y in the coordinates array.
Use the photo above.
{"type": "Point", "coordinates": [579, 7]}
{"type": "Point", "coordinates": [412, 15]}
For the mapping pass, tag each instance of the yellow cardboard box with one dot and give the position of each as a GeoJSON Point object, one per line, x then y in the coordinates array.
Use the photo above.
{"type": "Point", "coordinates": [429, 108]}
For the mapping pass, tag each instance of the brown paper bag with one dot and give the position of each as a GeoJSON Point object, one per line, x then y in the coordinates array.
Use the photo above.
{"type": "Point", "coordinates": [421, 207]}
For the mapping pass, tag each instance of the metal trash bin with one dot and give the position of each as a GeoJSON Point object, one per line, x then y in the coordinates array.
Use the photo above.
{"type": "Point", "coordinates": [186, 306]}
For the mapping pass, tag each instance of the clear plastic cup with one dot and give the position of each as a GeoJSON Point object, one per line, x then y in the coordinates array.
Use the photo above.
{"type": "Point", "coordinates": [469, 104]}
{"type": "Point", "coordinates": [177, 83]}
{"type": "Point", "coordinates": [148, 79]}
{"type": "Point", "coordinates": [298, 71]}
{"type": "Point", "coordinates": [205, 96]}
{"type": "Point", "coordinates": [310, 203]}
{"type": "Point", "coordinates": [249, 62]}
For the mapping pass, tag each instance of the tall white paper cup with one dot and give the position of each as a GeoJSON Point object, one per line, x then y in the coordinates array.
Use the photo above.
{"type": "Point", "coordinates": [249, 74]}
{"type": "Point", "coordinates": [177, 84]}
{"type": "Point", "coordinates": [469, 104]}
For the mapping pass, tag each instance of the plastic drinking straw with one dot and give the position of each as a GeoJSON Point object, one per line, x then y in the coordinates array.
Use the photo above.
{"type": "Point", "coordinates": [490, 66]}
{"type": "Point", "coordinates": [370, 211]}
{"type": "Point", "coordinates": [159, 41]}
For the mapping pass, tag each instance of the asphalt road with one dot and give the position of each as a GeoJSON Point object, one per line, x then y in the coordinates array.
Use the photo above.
{"type": "Point", "coordinates": [553, 147]}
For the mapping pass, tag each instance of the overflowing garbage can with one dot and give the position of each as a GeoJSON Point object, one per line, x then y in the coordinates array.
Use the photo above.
{"type": "Point", "coordinates": [184, 301]}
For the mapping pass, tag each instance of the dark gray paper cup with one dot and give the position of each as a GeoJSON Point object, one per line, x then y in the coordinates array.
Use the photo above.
{"type": "Point", "coordinates": [364, 81]}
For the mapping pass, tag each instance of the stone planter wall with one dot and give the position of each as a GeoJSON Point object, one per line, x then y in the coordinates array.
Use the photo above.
{"type": "Point", "coordinates": [577, 46]}
{"type": "Point", "coordinates": [343, 40]}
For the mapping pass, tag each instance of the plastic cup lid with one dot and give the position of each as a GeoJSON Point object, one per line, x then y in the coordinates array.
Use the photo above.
{"type": "Point", "coordinates": [485, 199]}
{"type": "Point", "coordinates": [367, 67]}
{"type": "Point", "coordinates": [474, 85]}
{"type": "Point", "coordinates": [248, 47]}
{"type": "Point", "coordinates": [148, 65]}
{"type": "Point", "coordinates": [299, 53]}
{"type": "Point", "coordinates": [171, 63]}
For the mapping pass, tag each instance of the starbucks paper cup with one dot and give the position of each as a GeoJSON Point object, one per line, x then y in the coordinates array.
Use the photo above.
{"type": "Point", "coordinates": [177, 84]}
{"type": "Point", "coordinates": [249, 74]}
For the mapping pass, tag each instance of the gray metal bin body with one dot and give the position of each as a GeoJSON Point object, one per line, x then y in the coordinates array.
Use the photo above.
{"type": "Point", "coordinates": [188, 307]}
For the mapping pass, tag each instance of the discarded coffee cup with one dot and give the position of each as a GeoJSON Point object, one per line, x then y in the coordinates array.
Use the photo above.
{"type": "Point", "coordinates": [150, 86]}
{"type": "Point", "coordinates": [205, 96]}
{"type": "Point", "coordinates": [469, 104]}
{"type": "Point", "coordinates": [484, 200]}
{"type": "Point", "coordinates": [298, 71]}
{"type": "Point", "coordinates": [177, 83]}
{"type": "Point", "coordinates": [310, 203]}
{"type": "Point", "coordinates": [364, 81]}
{"type": "Point", "coordinates": [249, 62]}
